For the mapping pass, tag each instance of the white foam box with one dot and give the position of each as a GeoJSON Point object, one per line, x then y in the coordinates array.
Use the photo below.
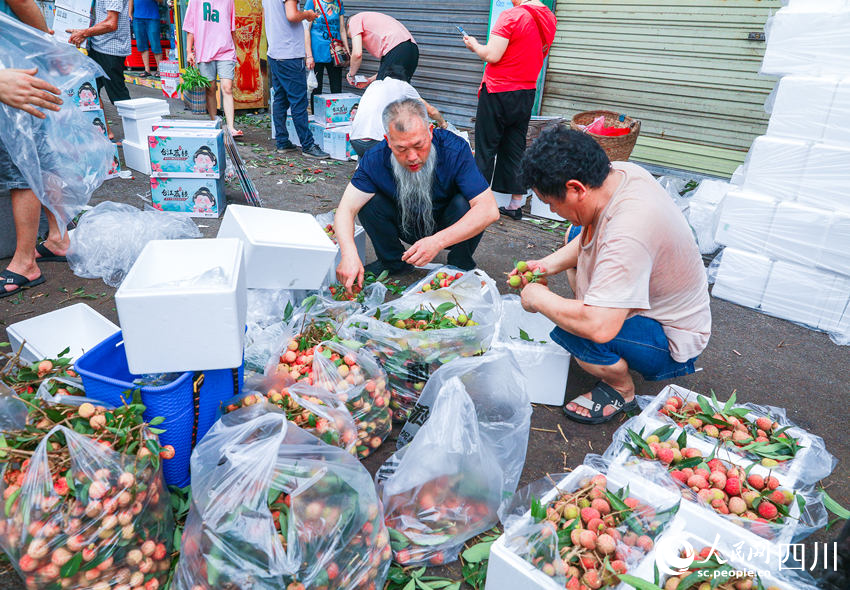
{"type": "Point", "coordinates": [138, 116]}
{"type": "Point", "coordinates": [77, 327]}
{"type": "Point", "coordinates": [283, 249]}
{"type": "Point", "coordinates": [78, 6]}
{"type": "Point", "coordinates": [797, 293]}
{"type": "Point", "coordinates": [775, 166]}
{"type": "Point", "coordinates": [65, 20]}
{"type": "Point", "coordinates": [136, 156]}
{"type": "Point", "coordinates": [838, 123]}
{"type": "Point", "coordinates": [541, 209]}
{"type": "Point", "coordinates": [807, 40]}
{"type": "Point", "coordinates": [337, 142]}
{"type": "Point", "coordinates": [802, 107]}
{"type": "Point", "coordinates": [508, 571]}
{"type": "Point", "coordinates": [835, 254]}
{"type": "Point", "coordinates": [543, 362]}
{"type": "Point", "coordinates": [334, 108]}
{"type": "Point", "coordinates": [834, 300]}
{"type": "Point", "coordinates": [827, 177]}
{"type": "Point", "coordinates": [797, 233]}
{"type": "Point", "coordinates": [170, 324]}
{"type": "Point", "coordinates": [742, 277]}
{"type": "Point", "coordinates": [744, 220]}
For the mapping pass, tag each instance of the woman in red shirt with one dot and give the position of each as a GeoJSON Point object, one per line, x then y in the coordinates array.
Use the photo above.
{"type": "Point", "coordinates": [514, 54]}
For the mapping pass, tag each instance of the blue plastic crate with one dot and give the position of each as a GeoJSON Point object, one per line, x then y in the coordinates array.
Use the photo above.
{"type": "Point", "coordinates": [188, 416]}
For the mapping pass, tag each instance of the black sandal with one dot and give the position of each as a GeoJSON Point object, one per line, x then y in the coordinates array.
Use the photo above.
{"type": "Point", "coordinates": [7, 277]}
{"type": "Point", "coordinates": [601, 395]}
{"type": "Point", "coordinates": [47, 255]}
{"type": "Point", "coordinates": [515, 214]}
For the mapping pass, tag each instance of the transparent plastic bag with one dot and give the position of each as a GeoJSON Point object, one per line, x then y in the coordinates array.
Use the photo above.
{"type": "Point", "coordinates": [312, 81]}
{"type": "Point", "coordinates": [268, 310]}
{"type": "Point", "coordinates": [61, 390]}
{"type": "Point", "coordinates": [759, 499]}
{"type": "Point", "coordinates": [13, 412]}
{"type": "Point", "coordinates": [82, 529]}
{"type": "Point", "coordinates": [110, 237]}
{"type": "Point", "coordinates": [473, 286]}
{"type": "Point", "coordinates": [272, 506]}
{"type": "Point", "coordinates": [64, 158]}
{"type": "Point", "coordinates": [703, 213]}
{"type": "Point", "coordinates": [444, 487]}
{"type": "Point", "coordinates": [786, 448]}
{"type": "Point", "coordinates": [499, 393]}
{"type": "Point", "coordinates": [410, 354]}
{"type": "Point", "coordinates": [621, 517]}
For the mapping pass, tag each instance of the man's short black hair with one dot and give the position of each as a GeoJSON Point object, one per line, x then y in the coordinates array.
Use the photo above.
{"type": "Point", "coordinates": [560, 154]}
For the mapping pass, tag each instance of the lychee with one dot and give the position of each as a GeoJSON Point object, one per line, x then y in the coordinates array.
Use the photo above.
{"type": "Point", "coordinates": [606, 544]}
{"type": "Point", "coordinates": [733, 486]}
{"type": "Point", "coordinates": [588, 514]}
{"type": "Point", "coordinates": [764, 423]}
{"type": "Point", "coordinates": [737, 505]}
{"type": "Point", "coordinates": [587, 539]}
{"type": "Point", "coordinates": [601, 505]}
{"type": "Point", "coordinates": [756, 481]}
{"type": "Point", "coordinates": [665, 455]}
{"type": "Point", "coordinates": [767, 510]}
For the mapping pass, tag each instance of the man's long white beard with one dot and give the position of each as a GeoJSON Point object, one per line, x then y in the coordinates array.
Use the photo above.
{"type": "Point", "coordinates": [414, 195]}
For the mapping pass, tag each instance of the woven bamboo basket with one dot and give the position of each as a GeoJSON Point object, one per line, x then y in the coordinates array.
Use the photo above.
{"type": "Point", "coordinates": [195, 100]}
{"type": "Point", "coordinates": [537, 124]}
{"type": "Point", "coordinates": [618, 148]}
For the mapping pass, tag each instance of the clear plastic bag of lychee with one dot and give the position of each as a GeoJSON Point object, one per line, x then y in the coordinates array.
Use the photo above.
{"type": "Point", "coordinates": [444, 487]}
{"type": "Point", "coordinates": [499, 392]}
{"type": "Point", "coordinates": [754, 497]}
{"type": "Point", "coordinates": [449, 282]}
{"type": "Point", "coordinates": [416, 334]}
{"type": "Point", "coordinates": [573, 526]}
{"type": "Point", "coordinates": [273, 507]}
{"type": "Point", "coordinates": [756, 432]}
{"type": "Point", "coordinates": [93, 518]}
{"type": "Point", "coordinates": [354, 376]}
{"type": "Point", "coordinates": [314, 409]}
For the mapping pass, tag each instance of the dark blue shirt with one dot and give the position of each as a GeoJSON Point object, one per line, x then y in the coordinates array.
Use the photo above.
{"type": "Point", "coordinates": [455, 172]}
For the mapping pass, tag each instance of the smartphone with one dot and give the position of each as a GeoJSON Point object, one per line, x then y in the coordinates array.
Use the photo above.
{"type": "Point", "coordinates": [460, 29]}
{"type": "Point", "coordinates": [358, 79]}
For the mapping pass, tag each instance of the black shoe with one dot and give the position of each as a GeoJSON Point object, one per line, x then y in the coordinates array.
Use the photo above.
{"type": "Point", "coordinates": [287, 147]}
{"type": "Point", "coordinates": [314, 151]}
{"type": "Point", "coordinates": [512, 213]}
{"type": "Point", "coordinates": [397, 268]}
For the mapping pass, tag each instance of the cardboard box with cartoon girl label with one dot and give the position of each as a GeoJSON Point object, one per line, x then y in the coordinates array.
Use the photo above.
{"type": "Point", "coordinates": [334, 108]}
{"type": "Point", "coordinates": [115, 166]}
{"type": "Point", "coordinates": [98, 119]}
{"type": "Point", "coordinates": [85, 95]}
{"type": "Point", "coordinates": [187, 153]}
{"type": "Point", "coordinates": [196, 197]}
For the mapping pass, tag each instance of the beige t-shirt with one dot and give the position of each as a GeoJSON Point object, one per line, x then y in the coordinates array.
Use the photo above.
{"type": "Point", "coordinates": [643, 256]}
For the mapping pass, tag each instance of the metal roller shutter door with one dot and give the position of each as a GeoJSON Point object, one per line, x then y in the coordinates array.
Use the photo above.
{"type": "Point", "coordinates": [686, 68]}
{"type": "Point", "coordinates": [448, 74]}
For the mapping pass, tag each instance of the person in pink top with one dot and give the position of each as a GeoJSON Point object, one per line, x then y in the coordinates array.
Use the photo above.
{"type": "Point", "coordinates": [385, 38]}
{"type": "Point", "coordinates": [209, 26]}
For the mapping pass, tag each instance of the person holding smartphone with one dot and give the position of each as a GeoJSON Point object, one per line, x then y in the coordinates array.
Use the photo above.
{"type": "Point", "coordinates": [329, 25]}
{"type": "Point", "coordinates": [386, 39]}
{"type": "Point", "coordinates": [514, 55]}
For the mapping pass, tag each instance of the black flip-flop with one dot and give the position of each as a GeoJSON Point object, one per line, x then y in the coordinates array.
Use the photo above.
{"type": "Point", "coordinates": [7, 277]}
{"type": "Point", "coordinates": [601, 395]}
{"type": "Point", "coordinates": [512, 213]}
{"type": "Point", "coordinates": [47, 255]}
{"type": "Point", "coordinates": [144, 75]}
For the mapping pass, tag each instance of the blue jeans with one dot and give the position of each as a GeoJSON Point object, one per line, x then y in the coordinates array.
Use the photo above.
{"type": "Point", "coordinates": [146, 31]}
{"type": "Point", "coordinates": [641, 342]}
{"type": "Point", "coordinates": [289, 79]}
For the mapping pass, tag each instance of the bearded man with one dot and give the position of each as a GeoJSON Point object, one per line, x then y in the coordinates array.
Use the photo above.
{"type": "Point", "coordinates": [419, 185]}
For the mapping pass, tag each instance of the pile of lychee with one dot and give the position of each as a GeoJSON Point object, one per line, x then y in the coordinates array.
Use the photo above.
{"type": "Point", "coordinates": [440, 281]}
{"type": "Point", "coordinates": [524, 273]}
{"type": "Point", "coordinates": [763, 437]}
{"type": "Point", "coordinates": [596, 528]}
{"type": "Point", "coordinates": [424, 319]}
{"type": "Point", "coordinates": [707, 561]}
{"type": "Point", "coordinates": [331, 233]}
{"type": "Point", "coordinates": [727, 488]}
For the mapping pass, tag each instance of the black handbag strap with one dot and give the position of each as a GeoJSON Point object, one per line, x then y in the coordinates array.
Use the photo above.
{"type": "Point", "coordinates": [327, 23]}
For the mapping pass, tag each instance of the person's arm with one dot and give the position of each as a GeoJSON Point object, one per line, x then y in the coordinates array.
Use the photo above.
{"type": "Point", "coordinates": [130, 11]}
{"type": "Point", "coordinates": [434, 113]}
{"type": "Point", "coordinates": [492, 52]}
{"type": "Point", "coordinates": [22, 90]}
{"type": "Point", "coordinates": [190, 49]}
{"type": "Point", "coordinates": [294, 15]}
{"type": "Point", "coordinates": [107, 25]}
{"type": "Point", "coordinates": [29, 14]}
{"type": "Point", "coordinates": [356, 57]}
{"type": "Point", "coordinates": [482, 212]}
{"type": "Point", "coordinates": [308, 48]}
{"type": "Point", "coordinates": [350, 267]}
{"type": "Point", "coordinates": [343, 34]}
{"type": "Point", "coordinates": [598, 324]}
{"type": "Point", "coordinates": [562, 259]}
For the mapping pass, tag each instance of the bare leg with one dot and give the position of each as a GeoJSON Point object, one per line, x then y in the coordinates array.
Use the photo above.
{"type": "Point", "coordinates": [616, 375]}
{"type": "Point", "coordinates": [158, 58]}
{"type": "Point", "coordinates": [211, 103]}
{"type": "Point", "coordinates": [55, 242]}
{"type": "Point", "coordinates": [25, 209]}
{"type": "Point", "coordinates": [227, 102]}
{"type": "Point", "coordinates": [517, 201]}
{"type": "Point", "coordinates": [146, 59]}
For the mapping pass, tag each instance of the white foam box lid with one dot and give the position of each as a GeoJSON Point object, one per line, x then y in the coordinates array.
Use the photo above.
{"type": "Point", "coordinates": [142, 108]}
{"type": "Point", "coordinates": [283, 249]}
{"type": "Point", "coordinates": [788, 473]}
{"type": "Point", "coordinates": [508, 571]}
{"type": "Point", "coordinates": [545, 364]}
{"type": "Point", "coordinates": [136, 156]}
{"type": "Point", "coordinates": [171, 328]}
{"type": "Point", "coordinates": [797, 293]}
{"type": "Point", "coordinates": [78, 6]}
{"type": "Point", "coordinates": [827, 177]}
{"type": "Point", "coordinates": [835, 254]}
{"type": "Point", "coordinates": [77, 327]}
{"type": "Point", "coordinates": [742, 277]}
{"type": "Point", "coordinates": [744, 220]}
{"type": "Point", "coordinates": [541, 209]}
{"type": "Point", "coordinates": [797, 233]}
{"type": "Point", "coordinates": [775, 166]}
{"type": "Point", "coordinates": [802, 107]}
{"type": "Point", "coordinates": [187, 123]}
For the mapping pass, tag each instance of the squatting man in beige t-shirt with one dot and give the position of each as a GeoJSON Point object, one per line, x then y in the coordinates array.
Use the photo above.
{"type": "Point", "coordinates": [641, 295]}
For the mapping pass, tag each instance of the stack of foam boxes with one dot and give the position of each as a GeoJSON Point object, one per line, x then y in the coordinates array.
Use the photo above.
{"type": "Point", "coordinates": [86, 98]}
{"type": "Point", "coordinates": [787, 229]}
{"type": "Point", "coordinates": [187, 167]}
{"type": "Point", "coordinates": [69, 15]}
{"type": "Point", "coordinates": [330, 124]}
{"type": "Point", "coordinates": [138, 116]}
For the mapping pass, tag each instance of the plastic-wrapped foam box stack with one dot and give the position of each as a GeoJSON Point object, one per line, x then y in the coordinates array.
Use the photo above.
{"type": "Point", "coordinates": [787, 229]}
